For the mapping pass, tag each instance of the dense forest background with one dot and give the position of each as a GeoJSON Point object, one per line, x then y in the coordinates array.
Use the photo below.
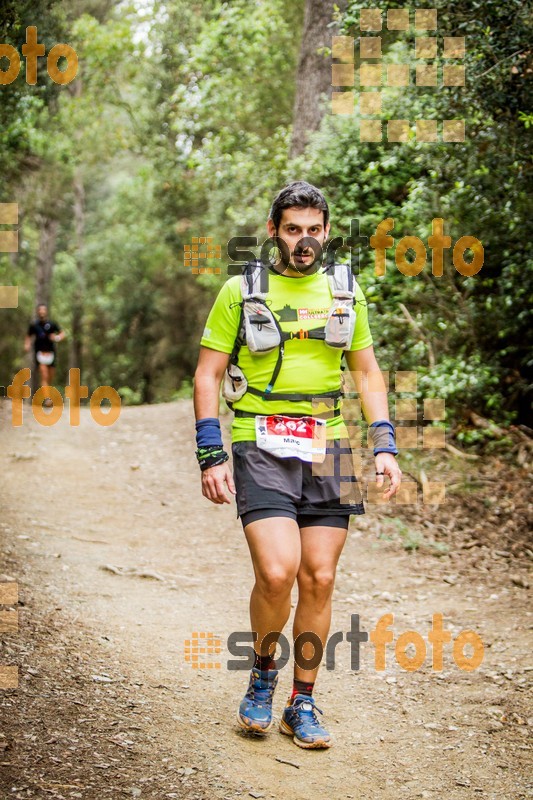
{"type": "Point", "coordinates": [184, 121]}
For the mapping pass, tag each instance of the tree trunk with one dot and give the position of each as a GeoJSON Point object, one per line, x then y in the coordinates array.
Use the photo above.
{"type": "Point", "coordinates": [45, 258]}
{"type": "Point", "coordinates": [76, 352]}
{"type": "Point", "coordinates": [313, 79]}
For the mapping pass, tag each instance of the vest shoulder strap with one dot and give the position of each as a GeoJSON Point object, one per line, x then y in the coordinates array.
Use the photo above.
{"type": "Point", "coordinates": [254, 281]}
{"type": "Point", "coordinates": [341, 281]}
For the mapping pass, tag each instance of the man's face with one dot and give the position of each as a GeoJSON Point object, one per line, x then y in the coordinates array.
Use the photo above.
{"type": "Point", "coordinates": [42, 312]}
{"type": "Point", "coordinates": [297, 224]}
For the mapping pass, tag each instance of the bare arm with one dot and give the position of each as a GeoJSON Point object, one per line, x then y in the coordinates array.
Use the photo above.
{"type": "Point", "coordinates": [369, 383]}
{"type": "Point", "coordinates": [372, 390]}
{"type": "Point", "coordinates": [27, 344]}
{"type": "Point", "coordinates": [207, 379]}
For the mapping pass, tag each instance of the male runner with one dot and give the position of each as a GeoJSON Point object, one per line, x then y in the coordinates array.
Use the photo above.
{"type": "Point", "coordinates": [295, 514]}
{"type": "Point", "coordinates": [46, 334]}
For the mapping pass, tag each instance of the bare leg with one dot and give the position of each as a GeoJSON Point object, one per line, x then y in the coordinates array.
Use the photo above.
{"type": "Point", "coordinates": [321, 549]}
{"type": "Point", "coordinates": [275, 550]}
{"type": "Point", "coordinates": [44, 374]}
{"type": "Point", "coordinates": [47, 376]}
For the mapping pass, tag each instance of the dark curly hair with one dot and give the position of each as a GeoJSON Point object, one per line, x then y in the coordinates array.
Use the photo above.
{"type": "Point", "coordinates": [299, 194]}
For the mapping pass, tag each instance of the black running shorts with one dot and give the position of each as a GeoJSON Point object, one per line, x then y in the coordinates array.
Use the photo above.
{"type": "Point", "coordinates": [298, 489]}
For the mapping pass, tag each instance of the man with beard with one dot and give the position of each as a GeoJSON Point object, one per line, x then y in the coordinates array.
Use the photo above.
{"type": "Point", "coordinates": [294, 511]}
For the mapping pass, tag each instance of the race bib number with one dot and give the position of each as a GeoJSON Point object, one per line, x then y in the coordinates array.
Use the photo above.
{"type": "Point", "coordinates": [292, 437]}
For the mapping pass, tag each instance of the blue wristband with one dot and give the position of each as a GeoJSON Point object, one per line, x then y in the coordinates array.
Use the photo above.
{"type": "Point", "coordinates": [208, 432]}
{"type": "Point", "coordinates": [383, 437]}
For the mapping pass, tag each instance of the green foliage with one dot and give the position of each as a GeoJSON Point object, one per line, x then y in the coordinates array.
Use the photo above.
{"type": "Point", "coordinates": [180, 126]}
{"type": "Point", "coordinates": [476, 329]}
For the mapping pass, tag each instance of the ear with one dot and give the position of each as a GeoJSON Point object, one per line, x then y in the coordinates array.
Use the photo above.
{"type": "Point", "coordinates": [271, 230]}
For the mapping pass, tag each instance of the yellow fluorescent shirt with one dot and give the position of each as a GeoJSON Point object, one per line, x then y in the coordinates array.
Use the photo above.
{"type": "Point", "coordinates": [309, 365]}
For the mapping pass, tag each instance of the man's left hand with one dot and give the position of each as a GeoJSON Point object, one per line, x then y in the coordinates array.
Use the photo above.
{"type": "Point", "coordinates": [386, 462]}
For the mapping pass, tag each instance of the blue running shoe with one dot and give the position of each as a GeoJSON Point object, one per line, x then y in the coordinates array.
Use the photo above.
{"type": "Point", "coordinates": [299, 721]}
{"type": "Point", "coordinates": [255, 710]}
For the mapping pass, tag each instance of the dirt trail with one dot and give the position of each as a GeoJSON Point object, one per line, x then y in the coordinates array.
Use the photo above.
{"type": "Point", "coordinates": [107, 705]}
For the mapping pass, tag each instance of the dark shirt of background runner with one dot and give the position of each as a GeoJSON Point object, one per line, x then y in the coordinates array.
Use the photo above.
{"type": "Point", "coordinates": [41, 330]}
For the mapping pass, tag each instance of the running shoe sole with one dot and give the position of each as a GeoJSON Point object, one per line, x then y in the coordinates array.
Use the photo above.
{"type": "Point", "coordinates": [318, 743]}
{"type": "Point", "coordinates": [254, 727]}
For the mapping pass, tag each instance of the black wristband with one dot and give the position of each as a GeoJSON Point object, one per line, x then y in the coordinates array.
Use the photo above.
{"type": "Point", "coordinates": [211, 456]}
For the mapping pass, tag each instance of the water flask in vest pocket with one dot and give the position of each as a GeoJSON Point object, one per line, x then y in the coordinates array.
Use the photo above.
{"type": "Point", "coordinates": [262, 334]}
{"type": "Point", "coordinates": [340, 326]}
{"type": "Point", "coordinates": [235, 383]}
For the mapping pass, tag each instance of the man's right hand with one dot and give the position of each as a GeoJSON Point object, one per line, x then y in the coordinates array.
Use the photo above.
{"type": "Point", "coordinates": [213, 483]}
